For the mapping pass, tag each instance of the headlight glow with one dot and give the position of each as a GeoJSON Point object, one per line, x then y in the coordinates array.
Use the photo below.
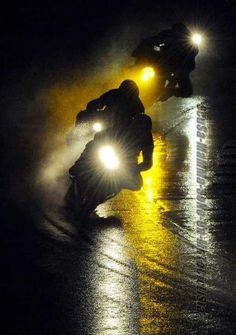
{"type": "Point", "coordinates": [148, 73]}
{"type": "Point", "coordinates": [97, 126]}
{"type": "Point", "coordinates": [197, 39]}
{"type": "Point", "coordinates": [108, 157]}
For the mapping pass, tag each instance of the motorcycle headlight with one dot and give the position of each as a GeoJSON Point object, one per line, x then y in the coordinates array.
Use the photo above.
{"type": "Point", "coordinates": [196, 39]}
{"type": "Point", "coordinates": [148, 73]}
{"type": "Point", "coordinates": [97, 126]}
{"type": "Point", "coordinates": [108, 157]}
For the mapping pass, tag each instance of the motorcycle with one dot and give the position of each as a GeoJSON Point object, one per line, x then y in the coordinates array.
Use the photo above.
{"type": "Point", "coordinates": [157, 65]}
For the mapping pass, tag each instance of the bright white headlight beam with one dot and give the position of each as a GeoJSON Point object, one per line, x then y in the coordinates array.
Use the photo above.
{"type": "Point", "coordinates": [97, 126]}
{"type": "Point", "coordinates": [108, 157]}
{"type": "Point", "coordinates": [197, 39]}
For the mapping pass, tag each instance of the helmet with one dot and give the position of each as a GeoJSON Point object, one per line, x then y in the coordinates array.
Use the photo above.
{"type": "Point", "coordinates": [129, 87]}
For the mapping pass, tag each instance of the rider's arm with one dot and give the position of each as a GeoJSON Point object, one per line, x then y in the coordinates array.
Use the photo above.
{"type": "Point", "coordinates": [95, 105]}
{"type": "Point", "coordinates": [104, 100]}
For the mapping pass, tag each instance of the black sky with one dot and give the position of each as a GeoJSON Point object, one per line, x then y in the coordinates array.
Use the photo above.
{"type": "Point", "coordinates": [68, 30]}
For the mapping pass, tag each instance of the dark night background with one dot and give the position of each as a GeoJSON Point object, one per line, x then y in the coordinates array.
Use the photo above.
{"type": "Point", "coordinates": [41, 43]}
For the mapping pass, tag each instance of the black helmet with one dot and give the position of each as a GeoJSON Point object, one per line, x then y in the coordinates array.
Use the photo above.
{"type": "Point", "coordinates": [129, 87]}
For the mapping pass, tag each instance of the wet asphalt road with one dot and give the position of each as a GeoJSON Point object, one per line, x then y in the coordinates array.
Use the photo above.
{"type": "Point", "coordinates": [133, 269]}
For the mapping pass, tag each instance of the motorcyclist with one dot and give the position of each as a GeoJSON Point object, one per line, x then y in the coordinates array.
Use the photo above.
{"type": "Point", "coordinates": [115, 104]}
{"type": "Point", "coordinates": [110, 108]}
{"type": "Point", "coordinates": [174, 55]}
{"type": "Point", "coordinates": [131, 128]}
